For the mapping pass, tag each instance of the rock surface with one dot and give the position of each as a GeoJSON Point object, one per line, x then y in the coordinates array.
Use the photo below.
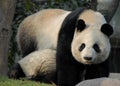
{"type": "Point", "coordinates": [100, 82]}
{"type": "Point", "coordinates": [115, 75]}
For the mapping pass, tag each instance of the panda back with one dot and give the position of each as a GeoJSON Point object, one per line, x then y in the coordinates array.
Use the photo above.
{"type": "Point", "coordinates": [40, 30]}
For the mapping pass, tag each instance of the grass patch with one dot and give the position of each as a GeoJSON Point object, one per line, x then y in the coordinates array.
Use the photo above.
{"type": "Point", "coordinates": [4, 81]}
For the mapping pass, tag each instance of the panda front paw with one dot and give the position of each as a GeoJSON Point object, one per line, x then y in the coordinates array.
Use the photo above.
{"type": "Point", "coordinates": [15, 72]}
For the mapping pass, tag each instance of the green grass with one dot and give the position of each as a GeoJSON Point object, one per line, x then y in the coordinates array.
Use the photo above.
{"type": "Point", "coordinates": [4, 81]}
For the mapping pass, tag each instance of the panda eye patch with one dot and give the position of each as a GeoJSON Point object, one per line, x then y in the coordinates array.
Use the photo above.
{"type": "Point", "coordinates": [96, 47]}
{"type": "Point", "coordinates": [82, 47]}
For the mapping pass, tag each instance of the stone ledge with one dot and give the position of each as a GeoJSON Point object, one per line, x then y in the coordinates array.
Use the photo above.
{"type": "Point", "coordinates": [113, 80]}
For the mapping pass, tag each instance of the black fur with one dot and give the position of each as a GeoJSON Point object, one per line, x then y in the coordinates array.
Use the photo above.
{"type": "Point", "coordinates": [15, 72]}
{"type": "Point", "coordinates": [28, 46]}
{"type": "Point", "coordinates": [97, 70]}
{"type": "Point", "coordinates": [82, 47]}
{"type": "Point", "coordinates": [69, 71]}
{"type": "Point", "coordinates": [96, 48]}
{"type": "Point", "coordinates": [80, 25]}
{"type": "Point", "coordinates": [107, 29]}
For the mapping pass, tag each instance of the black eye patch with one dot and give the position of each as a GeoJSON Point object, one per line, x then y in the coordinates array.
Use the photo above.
{"type": "Point", "coordinates": [80, 25]}
{"type": "Point", "coordinates": [96, 47]}
{"type": "Point", "coordinates": [82, 47]}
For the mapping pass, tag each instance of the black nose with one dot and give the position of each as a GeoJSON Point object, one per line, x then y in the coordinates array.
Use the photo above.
{"type": "Point", "coordinates": [88, 58]}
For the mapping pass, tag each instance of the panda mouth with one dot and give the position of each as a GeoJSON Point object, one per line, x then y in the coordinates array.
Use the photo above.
{"type": "Point", "coordinates": [89, 62]}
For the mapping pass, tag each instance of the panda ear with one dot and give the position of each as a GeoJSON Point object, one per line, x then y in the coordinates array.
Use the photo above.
{"type": "Point", "coordinates": [107, 29]}
{"type": "Point", "coordinates": [80, 24]}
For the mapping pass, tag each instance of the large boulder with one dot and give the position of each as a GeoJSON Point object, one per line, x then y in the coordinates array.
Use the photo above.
{"type": "Point", "coordinates": [100, 82]}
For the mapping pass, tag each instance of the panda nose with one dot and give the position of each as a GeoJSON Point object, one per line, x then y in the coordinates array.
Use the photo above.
{"type": "Point", "coordinates": [88, 58]}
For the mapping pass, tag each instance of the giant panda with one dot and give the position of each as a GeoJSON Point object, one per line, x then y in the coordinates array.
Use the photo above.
{"type": "Point", "coordinates": [63, 46]}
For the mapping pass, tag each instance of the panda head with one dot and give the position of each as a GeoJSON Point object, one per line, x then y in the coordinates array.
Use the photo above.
{"type": "Point", "coordinates": [90, 44]}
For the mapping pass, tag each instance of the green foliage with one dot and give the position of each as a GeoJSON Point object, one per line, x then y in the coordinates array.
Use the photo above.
{"type": "Point", "coordinates": [4, 81]}
{"type": "Point", "coordinates": [25, 8]}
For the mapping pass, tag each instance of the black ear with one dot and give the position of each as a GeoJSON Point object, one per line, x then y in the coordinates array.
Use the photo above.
{"type": "Point", "coordinates": [107, 29]}
{"type": "Point", "coordinates": [80, 24]}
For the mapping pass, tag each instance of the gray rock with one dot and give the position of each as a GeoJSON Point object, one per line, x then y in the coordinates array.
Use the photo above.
{"type": "Point", "coordinates": [100, 82]}
{"type": "Point", "coordinates": [115, 75]}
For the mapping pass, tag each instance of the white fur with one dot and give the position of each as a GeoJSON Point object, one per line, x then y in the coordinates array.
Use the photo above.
{"type": "Point", "coordinates": [92, 19]}
{"type": "Point", "coordinates": [44, 27]}
{"type": "Point", "coordinates": [90, 36]}
{"type": "Point", "coordinates": [39, 62]}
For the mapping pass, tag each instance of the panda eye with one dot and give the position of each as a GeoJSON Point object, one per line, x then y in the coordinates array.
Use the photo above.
{"type": "Point", "coordinates": [82, 47]}
{"type": "Point", "coordinates": [96, 47]}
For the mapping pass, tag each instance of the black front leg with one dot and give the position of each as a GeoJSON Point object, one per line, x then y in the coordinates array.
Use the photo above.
{"type": "Point", "coordinates": [67, 75]}
{"type": "Point", "coordinates": [69, 71]}
{"type": "Point", "coordinates": [97, 70]}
